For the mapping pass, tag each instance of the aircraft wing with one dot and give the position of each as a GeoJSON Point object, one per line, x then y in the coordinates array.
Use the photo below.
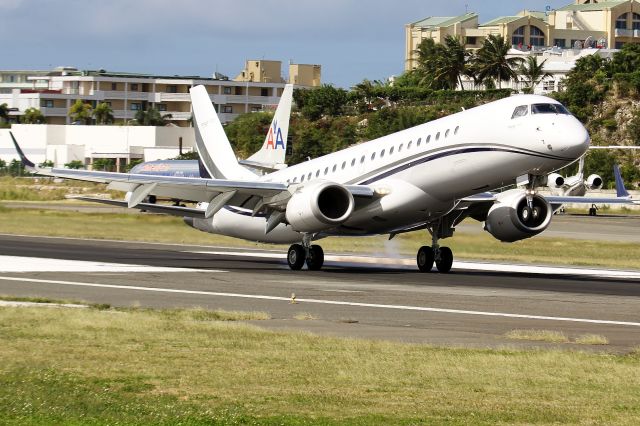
{"type": "Point", "coordinates": [150, 207]}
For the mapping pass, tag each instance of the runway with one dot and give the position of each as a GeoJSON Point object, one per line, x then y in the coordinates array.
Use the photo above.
{"type": "Point", "coordinates": [356, 296]}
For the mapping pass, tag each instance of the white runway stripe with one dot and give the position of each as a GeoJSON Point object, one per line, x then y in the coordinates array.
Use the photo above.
{"type": "Point", "coordinates": [459, 265]}
{"type": "Point", "coordinates": [39, 264]}
{"type": "Point", "coordinates": [325, 302]}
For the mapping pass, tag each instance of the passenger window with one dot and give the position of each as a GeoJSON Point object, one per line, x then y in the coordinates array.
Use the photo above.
{"type": "Point", "coordinates": [295, 179]}
{"type": "Point", "coordinates": [400, 147]}
{"type": "Point", "coordinates": [446, 134]}
{"type": "Point", "coordinates": [373, 156]}
{"type": "Point", "coordinates": [409, 145]}
{"type": "Point", "coordinates": [520, 111]}
{"type": "Point", "coordinates": [318, 173]}
{"type": "Point", "coordinates": [344, 164]}
{"type": "Point", "coordinates": [455, 132]}
{"type": "Point", "coordinates": [420, 140]}
{"type": "Point", "coordinates": [309, 176]}
{"type": "Point", "coordinates": [382, 153]}
{"type": "Point", "coordinates": [391, 151]}
{"type": "Point", "coordinates": [326, 170]}
{"type": "Point", "coordinates": [302, 178]}
{"type": "Point", "coordinates": [335, 166]}
{"type": "Point", "coordinates": [428, 139]}
{"type": "Point", "coordinates": [438, 136]}
{"type": "Point", "coordinates": [362, 160]}
{"type": "Point", "coordinates": [353, 162]}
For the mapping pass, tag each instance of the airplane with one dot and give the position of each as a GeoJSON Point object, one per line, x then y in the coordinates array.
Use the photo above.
{"type": "Point", "coordinates": [428, 177]}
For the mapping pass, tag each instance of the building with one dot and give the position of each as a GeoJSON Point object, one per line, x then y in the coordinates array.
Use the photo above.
{"type": "Point", "coordinates": [585, 23]}
{"type": "Point", "coordinates": [305, 75]}
{"type": "Point", "coordinates": [257, 87]}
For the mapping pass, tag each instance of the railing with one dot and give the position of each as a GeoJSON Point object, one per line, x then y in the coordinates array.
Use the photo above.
{"type": "Point", "coordinates": [168, 97]}
{"type": "Point", "coordinates": [620, 32]}
{"type": "Point", "coordinates": [54, 111]}
{"type": "Point", "coordinates": [177, 115]}
{"type": "Point", "coordinates": [117, 94]}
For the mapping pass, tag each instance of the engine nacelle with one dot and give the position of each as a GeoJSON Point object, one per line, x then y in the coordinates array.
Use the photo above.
{"type": "Point", "coordinates": [554, 180]}
{"type": "Point", "coordinates": [319, 206]}
{"type": "Point", "coordinates": [594, 182]}
{"type": "Point", "coordinates": [510, 219]}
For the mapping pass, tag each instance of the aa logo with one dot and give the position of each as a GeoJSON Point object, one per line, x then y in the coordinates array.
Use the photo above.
{"type": "Point", "coordinates": [275, 132]}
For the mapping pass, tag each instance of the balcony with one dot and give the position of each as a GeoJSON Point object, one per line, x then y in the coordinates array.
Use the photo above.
{"type": "Point", "coordinates": [54, 112]}
{"type": "Point", "coordinates": [620, 32]}
{"type": "Point", "coordinates": [173, 97]}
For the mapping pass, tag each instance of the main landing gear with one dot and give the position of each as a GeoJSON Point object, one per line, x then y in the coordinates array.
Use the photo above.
{"type": "Point", "coordinates": [441, 256]}
{"type": "Point", "coordinates": [299, 254]}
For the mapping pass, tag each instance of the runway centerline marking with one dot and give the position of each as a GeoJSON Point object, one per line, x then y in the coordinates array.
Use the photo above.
{"type": "Point", "coordinates": [320, 301]}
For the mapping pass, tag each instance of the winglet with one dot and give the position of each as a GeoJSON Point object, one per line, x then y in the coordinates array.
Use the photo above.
{"type": "Point", "coordinates": [621, 191]}
{"type": "Point", "coordinates": [25, 161]}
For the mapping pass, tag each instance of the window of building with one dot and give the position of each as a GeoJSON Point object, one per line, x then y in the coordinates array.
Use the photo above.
{"type": "Point", "coordinates": [536, 36]}
{"type": "Point", "coordinates": [136, 106]}
{"type": "Point", "coordinates": [238, 90]}
{"type": "Point", "coordinates": [520, 111]}
{"type": "Point", "coordinates": [47, 103]}
{"type": "Point", "coordinates": [172, 88]}
{"type": "Point", "coordinates": [226, 90]}
{"type": "Point", "coordinates": [549, 85]}
{"type": "Point", "coordinates": [619, 45]}
{"type": "Point", "coordinates": [264, 92]}
{"type": "Point", "coordinates": [560, 42]}
{"type": "Point", "coordinates": [635, 22]}
{"type": "Point", "coordinates": [518, 37]}
{"type": "Point", "coordinates": [576, 44]}
{"type": "Point", "coordinates": [161, 107]}
{"type": "Point", "coordinates": [621, 22]}
{"type": "Point", "coordinates": [114, 86]}
{"type": "Point", "coordinates": [471, 40]}
{"type": "Point", "coordinates": [134, 87]}
{"type": "Point", "coordinates": [228, 109]}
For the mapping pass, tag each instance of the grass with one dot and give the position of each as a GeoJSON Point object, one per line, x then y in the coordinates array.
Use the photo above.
{"type": "Point", "coordinates": [47, 189]}
{"type": "Point", "coordinates": [166, 229]}
{"type": "Point", "coordinates": [187, 367]}
{"type": "Point", "coordinates": [591, 339]}
{"type": "Point", "coordinates": [538, 336]}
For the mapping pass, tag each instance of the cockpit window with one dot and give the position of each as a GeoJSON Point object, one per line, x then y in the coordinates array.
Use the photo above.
{"type": "Point", "coordinates": [548, 109]}
{"type": "Point", "coordinates": [520, 111]}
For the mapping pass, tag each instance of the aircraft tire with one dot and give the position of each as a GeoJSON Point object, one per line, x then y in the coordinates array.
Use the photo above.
{"type": "Point", "coordinates": [424, 259]}
{"type": "Point", "coordinates": [296, 257]}
{"type": "Point", "coordinates": [445, 261]}
{"type": "Point", "coordinates": [316, 258]}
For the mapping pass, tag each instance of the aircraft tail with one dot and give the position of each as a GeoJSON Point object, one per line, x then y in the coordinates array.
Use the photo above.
{"type": "Point", "coordinates": [28, 164]}
{"type": "Point", "coordinates": [212, 143]}
{"type": "Point", "coordinates": [274, 148]}
{"type": "Point", "coordinates": [621, 191]}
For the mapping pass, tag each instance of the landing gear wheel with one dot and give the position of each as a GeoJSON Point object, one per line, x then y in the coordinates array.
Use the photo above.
{"type": "Point", "coordinates": [425, 259]}
{"type": "Point", "coordinates": [535, 213]}
{"type": "Point", "coordinates": [315, 260]}
{"type": "Point", "coordinates": [296, 256]}
{"type": "Point", "coordinates": [445, 261]}
{"type": "Point", "coordinates": [525, 214]}
{"type": "Point", "coordinates": [593, 211]}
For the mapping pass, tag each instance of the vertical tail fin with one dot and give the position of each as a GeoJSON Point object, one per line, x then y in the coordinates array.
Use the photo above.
{"type": "Point", "coordinates": [621, 191]}
{"type": "Point", "coordinates": [274, 147]}
{"type": "Point", "coordinates": [212, 143]}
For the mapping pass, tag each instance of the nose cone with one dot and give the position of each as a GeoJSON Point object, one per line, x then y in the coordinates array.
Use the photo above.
{"type": "Point", "coordinates": [576, 139]}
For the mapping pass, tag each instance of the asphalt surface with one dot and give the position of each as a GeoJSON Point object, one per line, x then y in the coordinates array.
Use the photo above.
{"type": "Point", "coordinates": [349, 297]}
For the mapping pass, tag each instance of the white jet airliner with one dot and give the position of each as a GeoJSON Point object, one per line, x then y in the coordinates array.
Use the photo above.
{"type": "Point", "coordinates": [431, 177]}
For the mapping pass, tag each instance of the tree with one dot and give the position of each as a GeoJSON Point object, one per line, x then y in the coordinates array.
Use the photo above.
{"type": "Point", "coordinates": [103, 113]}
{"type": "Point", "coordinates": [451, 64]}
{"type": "Point", "coordinates": [104, 164]}
{"type": "Point", "coordinates": [33, 116]}
{"type": "Point", "coordinates": [326, 100]}
{"type": "Point", "coordinates": [4, 111]}
{"type": "Point", "coordinates": [74, 164]}
{"type": "Point", "coordinates": [80, 112]}
{"type": "Point", "coordinates": [491, 62]}
{"type": "Point", "coordinates": [533, 72]}
{"type": "Point", "coordinates": [151, 117]}
{"type": "Point", "coordinates": [46, 163]}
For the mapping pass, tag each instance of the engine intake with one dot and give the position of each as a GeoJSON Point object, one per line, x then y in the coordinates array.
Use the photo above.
{"type": "Point", "coordinates": [511, 219]}
{"type": "Point", "coordinates": [319, 206]}
{"type": "Point", "coordinates": [554, 180]}
{"type": "Point", "coordinates": [594, 182]}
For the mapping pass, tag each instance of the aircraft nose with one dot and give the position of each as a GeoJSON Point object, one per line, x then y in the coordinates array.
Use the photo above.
{"type": "Point", "coordinates": [576, 139]}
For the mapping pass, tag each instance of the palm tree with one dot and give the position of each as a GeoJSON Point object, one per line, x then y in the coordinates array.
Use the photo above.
{"type": "Point", "coordinates": [80, 112]}
{"type": "Point", "coordinates": [103, 113]}
{"type": "Point", "coordinates": [491, 62]}
{"type": "Point", "coordinates": [151, 117]}
{"type": "Point", "coordinates": [533, 72]}
{"type": "Point", "coordinates": [451, 63]}
{"type": "Point", "coordinates": [4, 112]}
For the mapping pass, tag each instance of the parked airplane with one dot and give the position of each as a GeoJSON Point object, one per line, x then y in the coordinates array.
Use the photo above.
{"type": "Point", "coordinates": [431, 177]}
{"type": "Point", "coordinates": [269, 158]}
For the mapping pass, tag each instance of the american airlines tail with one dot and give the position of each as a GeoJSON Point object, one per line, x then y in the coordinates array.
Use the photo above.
{"type": "Point", "coordinates": [214, 148]}
{"type": "Point", "coordinates": [272, 153]}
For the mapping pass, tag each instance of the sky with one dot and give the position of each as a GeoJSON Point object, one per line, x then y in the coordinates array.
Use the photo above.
{"type": "Point", "coordinates": [351, 40]}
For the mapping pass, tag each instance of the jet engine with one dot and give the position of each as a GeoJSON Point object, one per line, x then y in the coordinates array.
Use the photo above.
{"type": "Point", "coordinates": [319, 206]}
{"type": "Point", "coordinates": [594, 182]}
{"type": "Point", "coordinates": [554, 180]}
{"type": "Point", "coordinates": [511, 219]}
